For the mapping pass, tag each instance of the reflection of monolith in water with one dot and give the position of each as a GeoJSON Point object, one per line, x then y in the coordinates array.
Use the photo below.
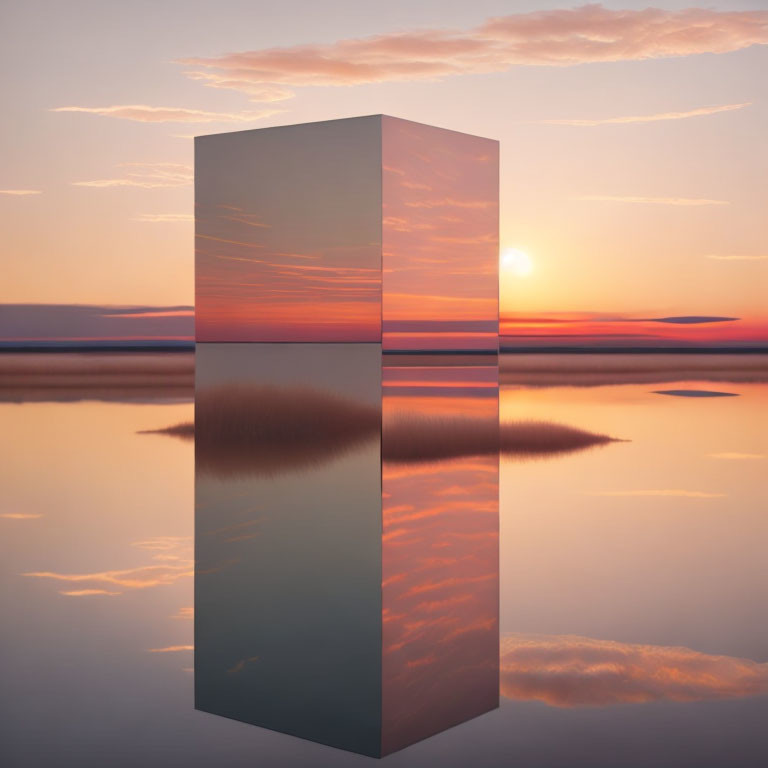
{"type": "Point", "coordinates": [440, 568]}
{"type": "Point", "coordinates": [346, 585]}
{"type": "Point", "coordinates": [287, 588]}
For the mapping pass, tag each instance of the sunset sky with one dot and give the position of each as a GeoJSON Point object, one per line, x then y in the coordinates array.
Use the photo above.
{"type": "Point", "coordinates": [633, 159]}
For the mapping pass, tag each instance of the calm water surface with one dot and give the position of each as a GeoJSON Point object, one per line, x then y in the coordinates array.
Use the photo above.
{"type": "Point", "coordinates": [633, 576]}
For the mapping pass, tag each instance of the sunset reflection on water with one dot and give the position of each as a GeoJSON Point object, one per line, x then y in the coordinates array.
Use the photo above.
{"type": "Point", "coordinates": [631, 573]}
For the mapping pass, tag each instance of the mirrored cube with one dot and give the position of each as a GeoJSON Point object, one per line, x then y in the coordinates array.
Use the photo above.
{"type": "Point", "coordinates": [367, 229]}
{"type": "Point", "coordinates": [346, 430]}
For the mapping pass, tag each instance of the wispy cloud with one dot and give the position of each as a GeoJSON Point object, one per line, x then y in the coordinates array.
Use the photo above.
{"type": "Point", "coordinates": [150, 312]}
{"type": "Point", "coordinates": [145, 114]}
{"type": "Point", "coordinates": [20, 192]}
{"type": "Point", "coordinates": [164, 217]}
{"type": "Point", "coordinates": [737, 456]}
{"type": "Point", "coordinates": [561, 37]}
{"type": "Point", "coordinates": [572, 671]}
{"type": "Point", "coordinates": [120, 183]}
{"type": "Point", "coordinates": [172, 649]}
{"type": "Point", "coordinates": [129, 578]}
{"type": "Point", "coordinates": [173, 561]}
{"type": "Point", "coordinates": [701, 111]}
{"type": "Point", "coordinates": [664, 492]}
{"type": "Point", "coordinates": [449, 202]}
{"type": "Point", "coordinates": [687, 201]}
{"type": "Point", "coordinates": [164, 543]}
{"type": "Point", "coordinates": [258, 92]}
{"type": "Point", "coordinates": [146, 176]}
{"type": "Point", "coordinates": [161, 169]}
{"type": "Point", "coordinates": [128, 183]}
{"type": "Point", "coordinates": [737, 257]}
{"type": "Point", "coordinates": [20, 516]}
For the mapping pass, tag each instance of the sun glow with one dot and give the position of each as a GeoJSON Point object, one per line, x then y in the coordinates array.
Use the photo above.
{"type": "Point", "coordinates": [516, 262]}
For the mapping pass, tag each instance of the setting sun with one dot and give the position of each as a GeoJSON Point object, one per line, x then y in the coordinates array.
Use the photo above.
{"type": "Point", "coordinates": [516, 262]}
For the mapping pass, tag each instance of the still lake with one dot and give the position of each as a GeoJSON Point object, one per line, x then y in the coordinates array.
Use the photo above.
{"type": "Point", "coordinates": [633, 576]}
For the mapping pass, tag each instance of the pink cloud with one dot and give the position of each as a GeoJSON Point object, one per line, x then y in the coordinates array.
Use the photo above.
{"type": "Point", "coordinates": [172, 649]}
{"type": "Point", "coordinates": [164, 218]}
{"type": "Point", "coordinates": [20, 516]}
{"type": "Point", "coordinates": [698, 112]}
{"type": "Point", "coordinates": [590, 33]}
{"type": "Point", "coordinates": [146, 176]}
{"type": "Point", "coordinates": [681, 201]}
{"type": "Point", "coordinates": [571, 671]}
{"type": "Point", "coordinates": [145, 114]}
{"type": "Point", "coordinates": [186, 612]}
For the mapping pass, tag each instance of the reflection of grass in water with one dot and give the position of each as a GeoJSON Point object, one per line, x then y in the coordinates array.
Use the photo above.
{"type": "Point", "coordinates": [541, 438]}
{"type": "Point", "coordinates": [419, 438]}
{"type": "Point", "coordinates": [186, 431]}
{"type": "Point", "coordinates": [262, 430]}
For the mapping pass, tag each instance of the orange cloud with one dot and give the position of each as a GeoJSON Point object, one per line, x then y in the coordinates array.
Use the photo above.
{"type": "Point", "coordinates": [172, 649]}
{"type": "Point", "coordinates": [737, 456]}
{"type": "Point", "coordinates": [164, 543]}
{"type": "Point", "coordinates": [147, 176]}
{"type": "Point", "coordinates": [593, 33]}
{"type": "Point", "coordinates": [20, 192]}
{"type": "Point", "coordinates": [174, 562]}
{"type": "Point", "coordinates": [130, 578]}
{"type": "Point", "coordinates": [257, 91]}
{"type": "Point", "coordinates": [144, 114]}
{"type": "Point", "coordinates": [154, 313]}
{"type": "Point", "coordinates": [450, 202]}
{"type": "Point", "coordinates": [649, 118]}
{"type": "Point", "coordinates": [560, 37]}
{"type": "Point", "coordinates": [686, 201]}
{"type": "Point", "coordinates": [665, 492]}
{"type": "Point", "coordinates": [164, 217]}
{"type": "Point", "coordinates": [737, 257]}
{"type": "Point", "coordinates": [572, 671]}
{"type": "Point", "coordinates": [100, 183]}
{"type": "Point", "coordinates": [20, 516]}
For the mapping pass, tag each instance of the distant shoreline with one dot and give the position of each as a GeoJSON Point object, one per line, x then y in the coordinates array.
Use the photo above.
{"type": "Point", "coordinates": [53, 347]}
{"type": "Point", "coordinates": [633, 350]}
{"type": "Point", "coordinates": [185, 346]}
